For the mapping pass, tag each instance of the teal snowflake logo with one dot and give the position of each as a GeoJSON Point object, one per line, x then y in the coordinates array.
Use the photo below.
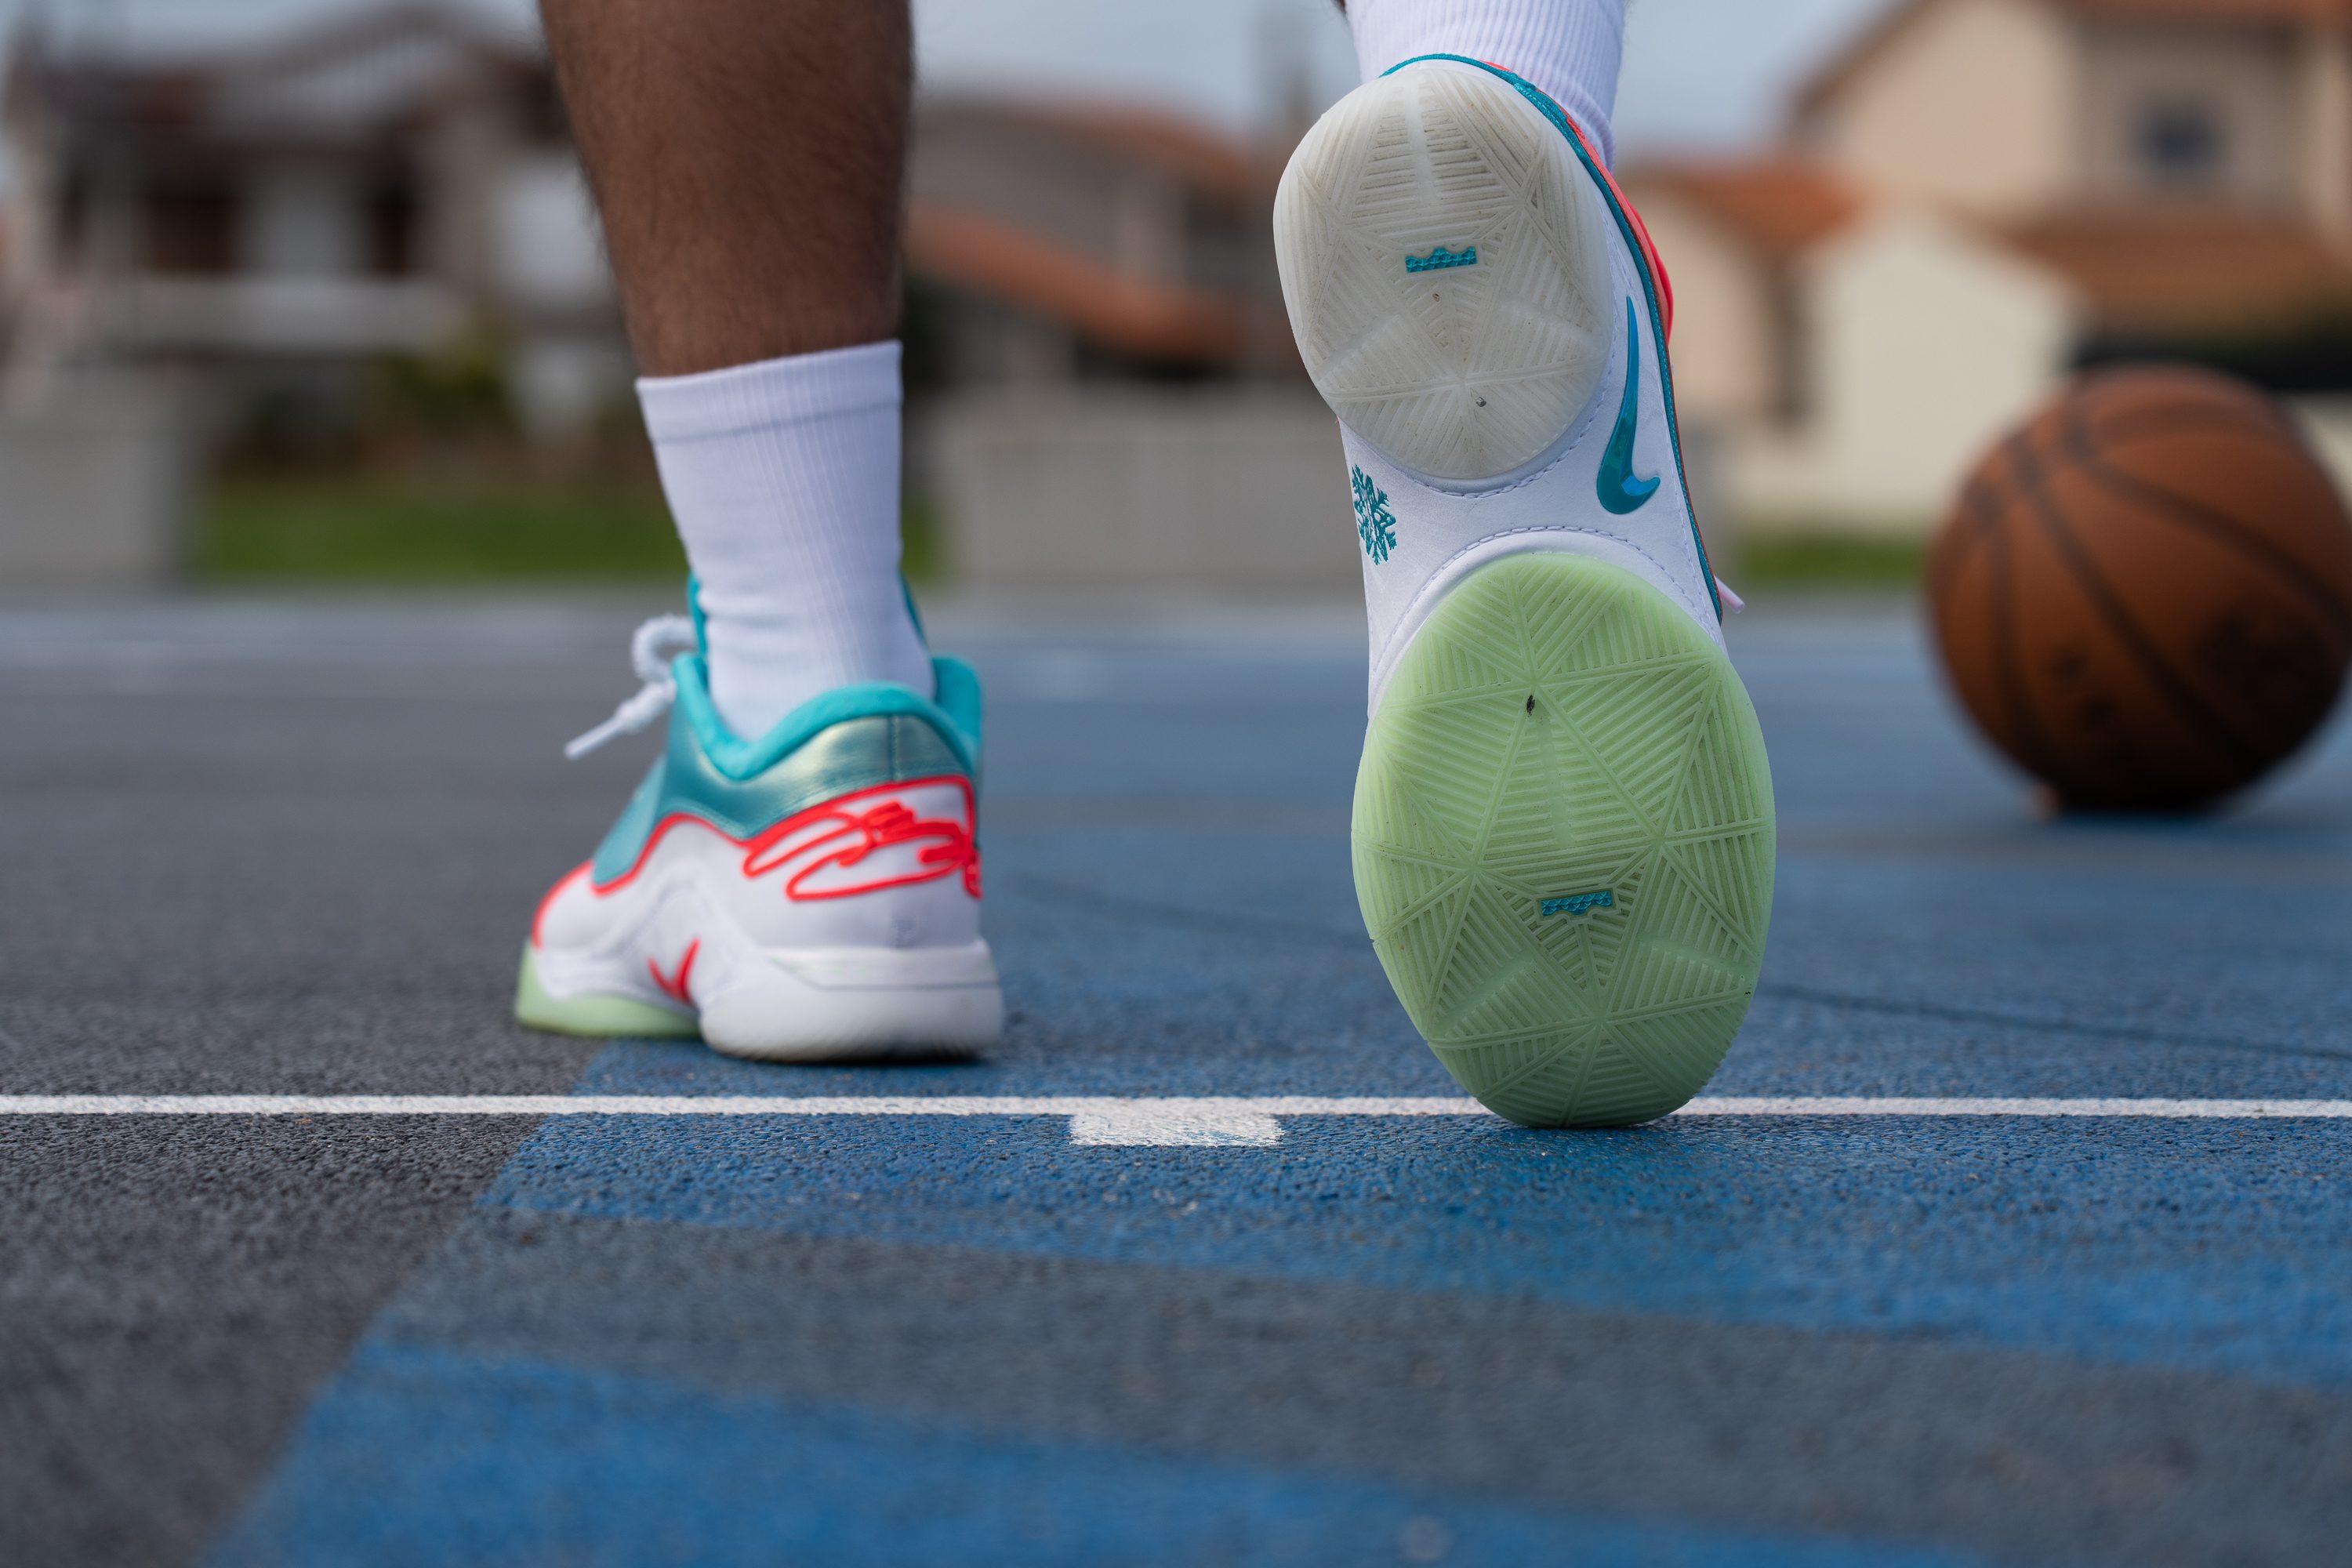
{"type": "Point", "coordinates": [1375, 524]}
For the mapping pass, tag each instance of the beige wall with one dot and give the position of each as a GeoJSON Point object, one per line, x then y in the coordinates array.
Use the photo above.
{"type": "Point", "coordinates": [2243, 77]}
{"type": "Point", "coordinates": [1972, 104]}
{"type": "Point", "coordinates": [1725, 356]}
{"type": "Point", "coordinates": [1105, 485]}
{"type": "Point", "coordinates": [96, 477]}
{"type": "Point", "coordinates": [1923, 339]}
{"type": "Point", "coordinates": [1929, 344]}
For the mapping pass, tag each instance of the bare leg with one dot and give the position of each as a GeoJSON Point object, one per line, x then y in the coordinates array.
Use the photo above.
{"type": "Point", "coordinates": [747, 155]}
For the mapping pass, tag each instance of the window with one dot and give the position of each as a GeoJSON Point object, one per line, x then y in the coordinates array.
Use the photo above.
{"type": "Point", "coordinates": [392, 228]}
{"type": "Point", "coordinates": [2179, 143]}
{"type": "Point", "coordinates": [191, 225]}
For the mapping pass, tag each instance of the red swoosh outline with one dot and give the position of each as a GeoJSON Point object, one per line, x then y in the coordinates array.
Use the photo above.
{"type": "Point", "coordinates": [956, 852]}
{"type": "Point", "coordinates": [677, 985]}
{"type": "Point", "coordinates": [854, 835]}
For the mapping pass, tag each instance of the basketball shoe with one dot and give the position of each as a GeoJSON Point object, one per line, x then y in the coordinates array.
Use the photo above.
{"type": "Point", "coordinates": [811, 895]}
{"type": "Point", "coordinates": [1563, 833]}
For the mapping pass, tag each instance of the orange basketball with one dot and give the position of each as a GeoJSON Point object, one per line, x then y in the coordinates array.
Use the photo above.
{"type": "Point", "coordinates": [2143, 596]}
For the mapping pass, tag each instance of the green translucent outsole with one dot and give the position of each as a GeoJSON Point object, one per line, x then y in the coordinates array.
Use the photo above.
{"type": "Point", "coordinates": [600, 1016]}
{"type": "Point", "coordinates": [1563, 843]}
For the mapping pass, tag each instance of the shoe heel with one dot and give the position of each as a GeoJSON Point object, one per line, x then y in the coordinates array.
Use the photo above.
{"type": "Point", "coordinates": [1563, 842]}
{"type": "Point", "coordinates": [1444, 258]}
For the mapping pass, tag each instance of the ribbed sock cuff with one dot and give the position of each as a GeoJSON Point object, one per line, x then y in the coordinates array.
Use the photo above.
{"type": "Point", "coordinates": [771, 392]}
{"type": "Point", "coordinates": [784, 478]}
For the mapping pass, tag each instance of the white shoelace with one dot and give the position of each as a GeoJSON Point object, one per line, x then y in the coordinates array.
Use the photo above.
{"type": "Point", "coordinates": [651, 649]}
{"type": "Point", "coordinates": [1731, 601]}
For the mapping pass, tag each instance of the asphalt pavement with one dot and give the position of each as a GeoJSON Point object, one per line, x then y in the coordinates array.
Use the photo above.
{"type": "Point", "coordinates": [289, 847]}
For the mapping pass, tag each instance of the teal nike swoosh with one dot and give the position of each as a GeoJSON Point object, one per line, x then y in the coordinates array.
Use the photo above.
{"type": "Point", "coordinates": [1621, 492]}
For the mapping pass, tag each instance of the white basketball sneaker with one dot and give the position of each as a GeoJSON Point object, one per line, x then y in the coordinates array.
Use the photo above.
{"type": "Point", "coordinates": [1563, 832]}
{"type": "Point", "coordinates": [811, 895]}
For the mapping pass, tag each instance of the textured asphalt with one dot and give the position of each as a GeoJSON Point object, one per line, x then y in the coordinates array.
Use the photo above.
{"type": "Point", "coordinates": [290, 848]}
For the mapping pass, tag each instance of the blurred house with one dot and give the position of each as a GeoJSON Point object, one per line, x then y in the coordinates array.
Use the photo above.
{"type": "Point", "coordinates": [1062, 242]}
{"type": "Point", "coordinates": [268, 225]}
{"type": "Point", "coordinates": [1108, 391]}
{"type": "Point", "coordinates": [1977, 196]}
{"type": "Point", "coordinates": [387, 185]}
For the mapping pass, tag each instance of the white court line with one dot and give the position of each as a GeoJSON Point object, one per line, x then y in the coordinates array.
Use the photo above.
{"type": "Point", "coordinates": [714, 1105]}
{"type": "Point", "coordinates": [1116, 1120]}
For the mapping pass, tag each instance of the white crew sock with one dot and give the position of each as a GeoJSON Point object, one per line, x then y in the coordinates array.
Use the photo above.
{"type": "Point", "coordinates": [783, 476]}
{"type": "Point", "coordinates": [1569, 49]}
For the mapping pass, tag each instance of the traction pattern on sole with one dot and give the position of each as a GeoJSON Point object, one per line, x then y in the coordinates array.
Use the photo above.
{"type": "Point", "coordinates": [1559, 730]}
{"type": "Point", "coordinates": [1468, 370]}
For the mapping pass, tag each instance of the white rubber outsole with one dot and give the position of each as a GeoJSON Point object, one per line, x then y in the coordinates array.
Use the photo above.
{"type": "Point", "coordinates": [1458, 369]}
{"type": "Point", "coordinates": [839, 1007]}
{"type": "Point", "coordinates": [857, 1025]}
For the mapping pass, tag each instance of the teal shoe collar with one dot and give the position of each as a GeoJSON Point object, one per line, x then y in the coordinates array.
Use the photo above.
{"type": "Point", "coordinates": [953, 709]}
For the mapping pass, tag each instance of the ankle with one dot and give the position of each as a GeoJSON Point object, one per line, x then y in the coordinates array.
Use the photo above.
{"type": "Point", "coordinates": [783, 476]}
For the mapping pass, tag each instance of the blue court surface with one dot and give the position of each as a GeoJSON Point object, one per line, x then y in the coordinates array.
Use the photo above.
{"type": "Point", "coordinates": [1203, 1265]}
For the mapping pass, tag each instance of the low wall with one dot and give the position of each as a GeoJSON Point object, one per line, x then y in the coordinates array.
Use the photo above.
{"type": "Point", "coordinates": [1124, 486]}
{"type": "Point", "coordinates": [96, 480]}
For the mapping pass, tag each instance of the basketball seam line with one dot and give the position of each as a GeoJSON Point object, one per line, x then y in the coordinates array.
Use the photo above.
{"type": "Point", "coordinates": [2222, 529]}
{"type": "Point", "coordinates": [2008, 652]}
{"type": "Point", "coordinates": [2172, 419]}
{"type": "Point", "coordinates": [2185, 704]}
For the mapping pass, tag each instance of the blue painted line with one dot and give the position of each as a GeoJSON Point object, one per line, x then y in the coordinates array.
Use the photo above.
{"type": "Point", "coordinates": [2215, 1246]}
{"type": "Point", "coordinates": [419, 1456]}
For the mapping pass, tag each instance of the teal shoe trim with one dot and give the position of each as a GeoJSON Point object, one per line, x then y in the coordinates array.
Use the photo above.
{"type": "Point", "coordinates": [955, 688]}
{"type": "Point", "coordinates": [907, 592]}
{"type": "Point", "coordinates": [627, 837]}
{"type": "Point", "coordinates": [1558, 117]}
{"type": "Point", "coordinates": [736, 758]}
{"type": "Point", "coordinates": [1620, 490]}
{"type": "Point", "coordinates": [848, 739]}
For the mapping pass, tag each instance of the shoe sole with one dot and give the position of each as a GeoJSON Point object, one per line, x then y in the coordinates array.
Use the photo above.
{"type": "Point", "coordinates": [595, 1015]}
{"type": "Point", "coordinates": [1563, 842]}
{"type": "Point", "coordinates": [1457, 370]}
{"type": "Point", "coordinates": [788, 1019]}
